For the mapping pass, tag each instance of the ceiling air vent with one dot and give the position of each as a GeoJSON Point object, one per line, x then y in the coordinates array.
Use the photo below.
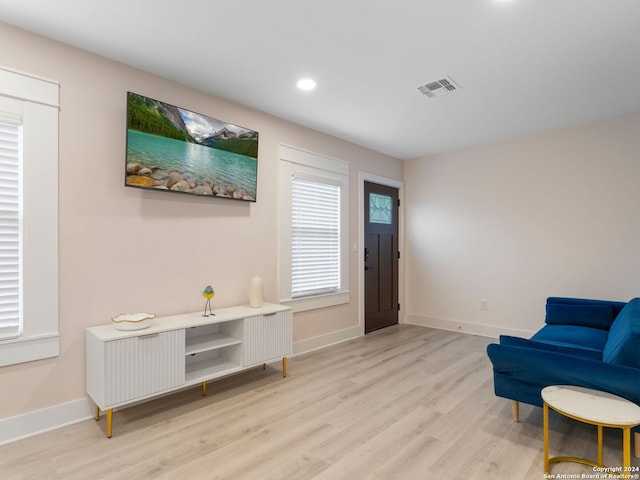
{"type": "Point", "coordinates": [438, 87]}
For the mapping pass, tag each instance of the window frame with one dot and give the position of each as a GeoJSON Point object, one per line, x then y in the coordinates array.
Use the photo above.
{"type": "Point", "coordinates": [311, 165]}
{"type": "Point", "coordinates": [35, 102]}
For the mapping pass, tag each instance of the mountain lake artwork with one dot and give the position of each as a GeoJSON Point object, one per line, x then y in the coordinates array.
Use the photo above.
{"type": "Point", "coordinates": [170, 148]}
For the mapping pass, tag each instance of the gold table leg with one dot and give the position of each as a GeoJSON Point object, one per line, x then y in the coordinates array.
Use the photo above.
{"type": "Point", "coordinates": [626, 451]}
{"type": "Point", "coordinates": [612, 472]}
{"type": "Point", "coordinates": [600, 445]}
{"type": "Point", "coordinates": [204, 389]}
{"type": "Point", "coordinates": [284, 366]}
{"type": "Point", "coordinates": [545, 419]}
{"type": "Point", "coordinates": [97, 413]}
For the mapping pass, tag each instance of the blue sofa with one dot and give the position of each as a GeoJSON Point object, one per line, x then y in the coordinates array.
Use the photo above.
{"type": "Point", "coordinates": [588, 343]}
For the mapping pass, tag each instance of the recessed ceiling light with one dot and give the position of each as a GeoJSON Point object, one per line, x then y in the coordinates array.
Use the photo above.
{"type": "Point", "coordinates": [306, 84]}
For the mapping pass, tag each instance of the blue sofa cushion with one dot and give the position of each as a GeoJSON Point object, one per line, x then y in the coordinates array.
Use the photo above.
{"type": "Point", "coordinates": [574, 336]}
{"type": "Point", "coordinates": [623, 346]}
{"type": "Point", "coordinates": [596, 316]}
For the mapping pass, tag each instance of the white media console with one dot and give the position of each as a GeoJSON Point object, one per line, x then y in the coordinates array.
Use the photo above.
{"type": "Point", "coordinates": [175, 352]}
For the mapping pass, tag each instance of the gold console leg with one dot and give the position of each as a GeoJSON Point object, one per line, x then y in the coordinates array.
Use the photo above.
{"type": "Point", "coordinates": [109, 422]}
{"type": "Point", "coordinates": [204, 389]}
{"type": "Point", "coordinates": [636, 441]}
{"type": "Point", "coordinates": [97, 413]}
{"type": "Point", "coordinates": [284, 366]}
{"type": "Point", "coordinates": [515, 411]}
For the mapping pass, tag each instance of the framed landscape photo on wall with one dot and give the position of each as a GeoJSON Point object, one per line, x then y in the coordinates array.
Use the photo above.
{"type": "Point", "coordinates": [176, 150]}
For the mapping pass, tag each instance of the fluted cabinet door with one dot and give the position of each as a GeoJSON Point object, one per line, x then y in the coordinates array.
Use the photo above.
{"type": "Point", "coordinates": [266, 338]}
{"type": "Point", "coordinates": [140, 366]}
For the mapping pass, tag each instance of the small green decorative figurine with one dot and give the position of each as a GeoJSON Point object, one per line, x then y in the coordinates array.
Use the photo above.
{"type": "Point", "coordinates": [208, 294]}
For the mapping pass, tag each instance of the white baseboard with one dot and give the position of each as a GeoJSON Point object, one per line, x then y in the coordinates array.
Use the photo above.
{"type": "Point", "coordinates": [321, 341]}
{"type": "Point", "coordinates": [465, 327]}
{"type": "Point", "coordinates": [40, 421]}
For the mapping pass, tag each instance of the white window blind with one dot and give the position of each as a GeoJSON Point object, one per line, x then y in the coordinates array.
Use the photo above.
{"type": "Point", "coordinates": [315, 237]}
{"type": "Point", "coordinates": [10, 226]}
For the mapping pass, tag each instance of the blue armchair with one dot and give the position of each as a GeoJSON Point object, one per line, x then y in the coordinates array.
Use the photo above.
{"type": "Point", "coordinates": [588, 343]}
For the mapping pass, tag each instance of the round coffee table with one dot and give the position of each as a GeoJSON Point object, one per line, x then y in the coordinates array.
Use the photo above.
{"type": "Point", "coordinates": [595, 408]}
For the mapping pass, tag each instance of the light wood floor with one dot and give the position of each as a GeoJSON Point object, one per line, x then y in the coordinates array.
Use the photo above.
{"type": "Point", "coordinates": [405, 402]}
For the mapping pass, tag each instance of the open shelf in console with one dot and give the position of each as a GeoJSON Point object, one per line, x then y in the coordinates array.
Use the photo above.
{"type": "Point", "coordinates": [211, 341]}
{"type": "Point", "coordinates": [213, 350]}
{"type": "Point", "coordinates": [212, 363]}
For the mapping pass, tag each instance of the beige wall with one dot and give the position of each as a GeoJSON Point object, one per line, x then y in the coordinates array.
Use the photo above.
{"type": "Point", "coordinates": [126, 250]}
{"type": "Point", "coordinates": [513, 222]}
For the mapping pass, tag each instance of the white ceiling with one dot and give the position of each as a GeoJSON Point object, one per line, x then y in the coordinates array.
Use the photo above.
{"type": "Point", "coordinates": [522, 65]}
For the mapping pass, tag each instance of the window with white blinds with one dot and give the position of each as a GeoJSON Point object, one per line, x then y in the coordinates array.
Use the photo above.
{"type": "Point", "coordinates": [10, 226]}
{"type": "Point", "coordinates": [315, 237]}
{"type": "Point", "coordinates": [28, 217]}
{"type": "Point", "coordinates": [313, 230]}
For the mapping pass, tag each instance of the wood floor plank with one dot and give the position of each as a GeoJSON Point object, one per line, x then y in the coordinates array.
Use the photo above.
{"type": "Point", "coordinates": [402, 403]}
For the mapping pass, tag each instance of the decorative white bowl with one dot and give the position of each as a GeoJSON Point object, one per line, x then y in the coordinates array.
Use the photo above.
{"type": "Point", "coordinates": [133, 321]}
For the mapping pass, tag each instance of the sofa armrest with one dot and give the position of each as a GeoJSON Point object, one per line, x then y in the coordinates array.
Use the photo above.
{"type": "Point", "coordinates": [541, 368]}
{"type": "Point", "coordinates": [581, 311]}
{"type": "Point", "coordinates": [549, 347]}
